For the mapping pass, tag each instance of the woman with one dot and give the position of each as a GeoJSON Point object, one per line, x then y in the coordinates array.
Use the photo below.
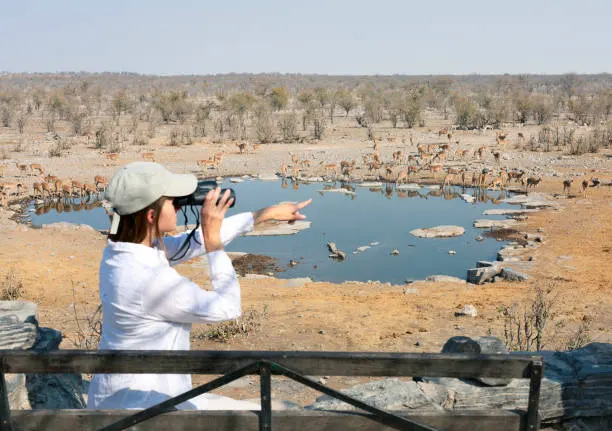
{"type": "Point", "coordinates": [146, 304]}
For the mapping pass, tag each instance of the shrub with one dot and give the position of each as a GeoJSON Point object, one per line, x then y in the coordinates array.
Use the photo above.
{"type": "Point", "coordinates": [524, 328]}
{"type": "Point", "coordinates": [288, 127]}
{"type": "Point", "coordinates": [222, 332]}
{"type": "Point", "coordinates": [264, 127]}
{"type": "Point", "coordinates": [279, 97]}
{"type": "Point", "coordinates": [89, 328]}
{"type": "Point", "coordinates": [12, 287]}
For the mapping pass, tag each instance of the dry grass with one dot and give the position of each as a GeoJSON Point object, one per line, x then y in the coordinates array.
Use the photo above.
{"type": "Point", "coordinates": [88, 329]}
{"type": "Point", "coordinates": [247, 324]}
{"type": "Point", "coordinates": [12, 287]}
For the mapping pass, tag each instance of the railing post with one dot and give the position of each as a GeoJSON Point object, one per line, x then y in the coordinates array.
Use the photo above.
{"type": "Point", "coordinates": [533, 404]}
{"type": "Point", "coordinates": [5, 408]}
{"type": "Point", "coordinates": [265, 385]}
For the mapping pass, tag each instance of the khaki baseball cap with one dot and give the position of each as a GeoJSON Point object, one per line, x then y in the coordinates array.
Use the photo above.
{"type": "Point", "coordinates": [137, 185]}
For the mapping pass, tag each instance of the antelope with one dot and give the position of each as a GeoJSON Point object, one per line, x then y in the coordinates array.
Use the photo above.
{"type": "Point", "coordinates": [305, 163]}
{"type": "Point", "coordinates": [533, 182]}
{"type": "Point", "coordinates": [1, 170]}
{"type": "Point", "coordinates": [388, 171]}
{"type": "Point", "coordinates": [484, 179]}
{"type": "Point", "coordinates": [331, 167]}
{"type": "Point", "coordinates": [294, 158]}
{"type": "Point", "coordinates": [426, 158]}
{"type": "Point", "coordinates": [4, 199]}
{"type": "Point", "coordinates": [206, 163]}
{"type": "Point", "coordinates": [46, 188]}
{"type": "Point", "coordinates": [584, 187]}
{"type": "Point", "coordinates": [411, 140]}
{"type": "Point", "coordinates": [567, 185]}
{"type": "Point", "coordinates": [443, 131]}
{"type": "Point", "coordinates": [295, 173]}
{"type": "Point", "coordinates": [595, 182]}
{"type": "Point", "coordinates": [67, 190]}
{"type": "Point", "coordinates": [50, 178]}
{"type": "Point", "coordinates": [480, 152]}
{"type": "Point", "coordinates": [22, 168]}
{"type": "Point", "coordinates": [441, 156]}
{"type": "Point", "coordinates": [515, 175]}
{"type": "Point", "coordinates": [38, 167]}
{"type": "Point", "coordinates": [10, 188]}
{"type": "Point", "coordinates": [421, 149]}
{"type": "Point", "coordinates": [242, 147]}
{"type": "Point", "coordinates": [256, 147]}
{"type": "Point", "coordinates": [90, 189]}
{"type": "Point", "coordinates": [436, 168]}
{"type": "Point", "coordinates": [111, 157]}
{"type": "Point", "coordinates": [376, 146]}
{"type": "Point", "coordinates": [497, 156]}
{"type": "Point", "coordinates": [38, 190]}
{"type": "Point", "coordinates": [77, 185]}
{"type": "Point", "coordinates": [149, 157]}
{"type": "Point", "coordinates": [397, 156]}
{"type": "Point", "coordinates": [283, 169]}
{"type": "Point", "coordinates": [402, 176]}
{"type": "Point", "coordinates": [448, 180]}
{"type": "Point", "coordinates": [100, 180]}
{"type": "Point", "coordinates": [432, 147]}
{"type": "Point", "coordinates": [498, 182]}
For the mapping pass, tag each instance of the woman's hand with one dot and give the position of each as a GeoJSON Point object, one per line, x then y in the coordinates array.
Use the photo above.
{"type": "Point", "coordinates": [282, 212]}
{"type": "Point", "coordinates": [213, 214]}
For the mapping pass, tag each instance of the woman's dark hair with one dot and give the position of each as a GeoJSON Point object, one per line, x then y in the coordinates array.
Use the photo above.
{"type": "Point", "coordinates": [133, 227]}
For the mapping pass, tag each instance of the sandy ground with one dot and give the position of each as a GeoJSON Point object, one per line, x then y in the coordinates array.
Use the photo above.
{"type": "Point", "coordinates": [59, 267]}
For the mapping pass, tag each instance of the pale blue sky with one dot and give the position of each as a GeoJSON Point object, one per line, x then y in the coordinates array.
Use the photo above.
{"type": "Point", "coordinates": [312, 36]}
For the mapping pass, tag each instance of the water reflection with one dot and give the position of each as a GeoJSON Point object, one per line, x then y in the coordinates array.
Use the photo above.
{"type": "Point", "coordinates": [67, 204]}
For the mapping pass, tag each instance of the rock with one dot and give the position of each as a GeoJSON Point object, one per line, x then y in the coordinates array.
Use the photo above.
{"type": "Point", "coordinates": [407, 187]}
{"type": "Point", "coordinates": [371, 184]}
{"type": "Point", "coordinates": [16, 335]}
{"type": "Point", "coordinates": [340, 190]}
{"type": "Point", "coordinates": [452, 252]}
{"type": "Point", "coordinates": [485, 223]}
{"type": "Point", "coordinates": [62, 225]}
{"type": "Point", "coordinates": [23, 311]}
{"type": "Point", "coordinates": [481, 275]}
{"type": "Point", "coordinates": [486, 263]}
{"type": "Point", "coordinates": [460, 344]}
{"type": "Point", "coordinates": [267, 177]}
{"type": "Point", "coordinates": [362, 248]}
{"type": "Point", "coordinates": [506, 211]}
{"type": "Point", "coordinates": [444, 279]}
{"type": "Point", "coordinates": [395, 252]}
{"type": "Point", "coordinates": [256, 277]}
{"type": "Point", "coordinates": [388, 394]}
{"type": "Point", "coordinates": [479, 238]}
{"type": "Point", "coordinates": [482, 345]}
{"type": "Point", "coordinates": [410, 290]}
{"type": "Point", "coordinates": [438, 232]}
{"type": "Point", "coordinates": [17, 391]}
{"type": "Point", "coordinates": [374, 244]}
{"type": "Point", "coordinates": [433, 186]}
{"type": "Point", "coordinates": [278, 228]}
{"type": "Point", "coordinates": [468, 198]}
{"type": "Point", "coordinates": [512, 275]}
{"type": "Point", "coordinates": [236, 180]}
{"type": "Point", "coordinates": [335, 253]}
{"type": "Point", "coordinates": [468, 310]}
{"type": "Point", "coordinates": [509, 254]}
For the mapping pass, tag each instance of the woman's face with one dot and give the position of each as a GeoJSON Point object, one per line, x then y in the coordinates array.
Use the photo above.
{"type": "Point", "coordinates": [167, 218]}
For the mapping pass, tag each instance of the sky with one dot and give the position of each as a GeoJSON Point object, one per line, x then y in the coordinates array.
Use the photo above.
{"type": "Point", "coordinates": [356, 37]}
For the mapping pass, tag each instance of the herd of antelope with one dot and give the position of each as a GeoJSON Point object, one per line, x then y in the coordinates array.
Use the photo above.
{"type": "Point", "coordinates": [430, 158]}
{"type": "Point", "coordinates": [50, 186]}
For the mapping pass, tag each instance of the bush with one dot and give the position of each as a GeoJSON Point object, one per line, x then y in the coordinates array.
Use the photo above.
{"type": "Point", "coordinates": [264, 128]}
{"type": "Point", "coordinates": [288, 127]}
{"type": "Point", "coordinates": [12, 287]}
{"type": "Point", "coordinates": [222, 332]}
{"type": "Point", "coordinates": [524, 328]}
{"type": "Point", "coordinates": [279, 97]}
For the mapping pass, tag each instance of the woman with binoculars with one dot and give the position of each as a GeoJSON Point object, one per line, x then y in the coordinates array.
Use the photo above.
{"type": "Point", "coordinates": [146, 304]}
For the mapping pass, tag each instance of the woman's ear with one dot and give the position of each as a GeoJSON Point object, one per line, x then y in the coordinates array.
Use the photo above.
{"type": "Point", "coordinates": [151, 216]}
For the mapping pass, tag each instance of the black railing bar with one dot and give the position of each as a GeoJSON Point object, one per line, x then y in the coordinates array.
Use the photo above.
{"type": "Point", "coordinates": [5, 409]}
{"type": "Point", "coordinates": [381, 416]}
{"type": "Point", "coordinates": [265, 393]}
{"type": "Point", "coordinates": [167, 405]}
{"type": "Point", "coordinates": [533, 404]}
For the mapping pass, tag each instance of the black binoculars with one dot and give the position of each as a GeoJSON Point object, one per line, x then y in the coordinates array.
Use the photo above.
{"type": "Point", "coordinates": [197, 197]}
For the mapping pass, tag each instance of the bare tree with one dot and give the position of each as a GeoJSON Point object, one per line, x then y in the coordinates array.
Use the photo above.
{"type": "Point", "coordinates": [288, 127]}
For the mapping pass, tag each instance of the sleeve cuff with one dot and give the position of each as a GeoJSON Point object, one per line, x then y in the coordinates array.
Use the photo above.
{"type": "Point", "coordinates": [220, 264]}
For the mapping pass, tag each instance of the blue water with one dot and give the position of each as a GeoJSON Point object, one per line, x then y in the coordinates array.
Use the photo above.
{"type": "Point", "coordinates": [382, 216]}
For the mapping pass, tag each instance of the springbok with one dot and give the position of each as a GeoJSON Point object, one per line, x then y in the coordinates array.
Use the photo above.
{"type": "Point", "coordinates": [331, 167]}
{"type": "Point", "coordinates": [100, 183]}
{"type": "Point", "coordinates": [46, 187]}
{"type": "Point", "coordinates": [584, 187]}
{"type": "Point", "coordinates": [283, 169]}
{"type": "Point", "coordinates": [4, 199]}
{"type": "Point", "coordinates": [567, 185]}
{"type": "Point", "coordinates": [533, 182]}
{"type": "Point", "coordinates": [38, 190]}
{"type": "Point", "coordinates": [38, 167]}
{"type": "Point", "coordinates": [448, 180]}
{"type": "Point", "coordinates": [11, 188]}
{"type": "Point", "coordinates": [90, 189]}
{"type": "Point", "coordinates": [242, 147]}
{"type": "Point", "coordinates": [23, 169]}
{"type": "Point", "coordinates": [78, 185]}
{"type": "Point", "coordinates": [148, 157]}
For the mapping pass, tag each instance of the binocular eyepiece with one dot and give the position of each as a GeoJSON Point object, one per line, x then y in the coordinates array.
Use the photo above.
{"type": "Point", "coordinates": [198, 196]}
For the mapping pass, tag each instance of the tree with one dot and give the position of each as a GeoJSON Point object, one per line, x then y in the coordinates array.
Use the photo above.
{"type": "Point", "coordinates": [264, 127]}
{"type": "Point", "coordinates": [468, 116]}
{"type": "Point", "coordinates": [345, 100]}
{"type": "Point", "coordinates": [288, 127]}
{"type": "Point", "coordinates": [279, 97]}
{"type": "Point", "coordinates": [523, 107]}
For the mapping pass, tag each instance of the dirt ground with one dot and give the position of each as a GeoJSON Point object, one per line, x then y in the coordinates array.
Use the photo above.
{"type": "Point", "coordinates": [59, 266]}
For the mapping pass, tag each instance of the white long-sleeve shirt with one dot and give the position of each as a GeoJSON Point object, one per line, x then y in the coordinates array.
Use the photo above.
{"type": "Point", "coordinates": [147, 305]}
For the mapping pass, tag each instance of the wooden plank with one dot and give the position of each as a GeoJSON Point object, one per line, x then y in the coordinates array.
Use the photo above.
{"type": "Point", "coordinates": [292, 420]}
{"type": "Point", "coordinates": [311, 363]}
